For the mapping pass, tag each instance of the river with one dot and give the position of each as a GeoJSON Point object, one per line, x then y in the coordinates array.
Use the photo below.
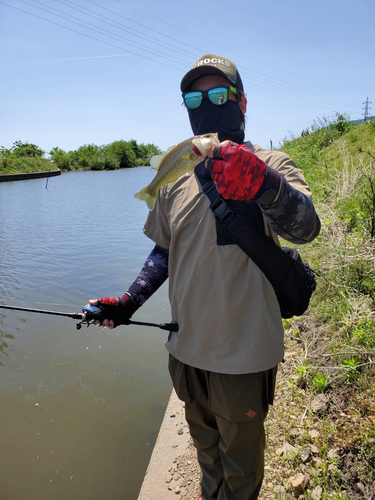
{"type": "Point", "coordinates": [80, 410]}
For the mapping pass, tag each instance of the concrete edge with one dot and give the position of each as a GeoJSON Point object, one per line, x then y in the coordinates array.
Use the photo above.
{"type": "Point", "coordinates": [172, 441]}
{"type": "Point", "coordinates": [30, 175]}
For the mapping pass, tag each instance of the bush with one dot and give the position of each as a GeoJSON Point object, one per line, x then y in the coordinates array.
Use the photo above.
{"type": "Point", "coordinates": [61, 159]}
{"type": "Point", "coordinates": [341, 124]}
{"type": "Point", "coordinates": [147, 151]}
{"type": "Point", "coordinates": [97, 163]}
{"type": "Point", "coordinates": [87, 156]}
{"type": "Point", "coordinates": [123, 152]}
{"type": "Point", "coordinates": [111, 163]}
{"type": "Point", "coordinates": [22, 150]}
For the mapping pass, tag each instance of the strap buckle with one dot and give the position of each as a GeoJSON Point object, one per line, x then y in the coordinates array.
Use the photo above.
{"type": "Point", "coordinates": [221, 209]}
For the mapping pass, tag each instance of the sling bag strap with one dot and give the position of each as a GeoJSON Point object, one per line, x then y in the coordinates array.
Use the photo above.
{"type": "Point", "coordinates": [271, 259]}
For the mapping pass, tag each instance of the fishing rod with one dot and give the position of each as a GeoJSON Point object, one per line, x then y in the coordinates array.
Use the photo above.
{"type": "Point", "coordinates": [90, 314]}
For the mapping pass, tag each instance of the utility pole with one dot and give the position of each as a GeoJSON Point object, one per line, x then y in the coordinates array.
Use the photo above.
{"type": "Point", "coordinates": [366, 108]}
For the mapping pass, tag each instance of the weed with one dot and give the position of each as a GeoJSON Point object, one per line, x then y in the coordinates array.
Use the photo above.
{"type": "Point", "coordinates": [351, 371]}
{"type": "Point", "coordinates": [320, 383]}
{"type": "Point", "coordinates": [304, 375]}
{"type": "Point", "coordinates": [340, 496]}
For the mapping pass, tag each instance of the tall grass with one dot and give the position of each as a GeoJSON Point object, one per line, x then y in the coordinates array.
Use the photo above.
{"type": "Point", "coordinates": [335, 340]}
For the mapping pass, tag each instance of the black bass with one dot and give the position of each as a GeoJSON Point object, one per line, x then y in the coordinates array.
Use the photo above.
{"type": "Point", "coordinates": [178, 161]}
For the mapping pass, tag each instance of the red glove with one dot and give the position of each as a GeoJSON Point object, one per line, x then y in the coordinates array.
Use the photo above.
{"type": "Point", "coordinates": [237, 172]}
{"type": "Point", "coordinates": [118, 310]}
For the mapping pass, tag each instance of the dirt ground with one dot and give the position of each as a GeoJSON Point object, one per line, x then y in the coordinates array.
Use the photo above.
{"type": "Point", "coordinates": [298, 463]}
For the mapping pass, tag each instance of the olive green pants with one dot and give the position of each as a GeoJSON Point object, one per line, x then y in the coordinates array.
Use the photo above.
{"type": "Point", "coordinates": [226, 416]}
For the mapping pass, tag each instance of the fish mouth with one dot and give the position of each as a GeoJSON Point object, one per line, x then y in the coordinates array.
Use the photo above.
{"type": "Point", "coordinates": [196, 150]}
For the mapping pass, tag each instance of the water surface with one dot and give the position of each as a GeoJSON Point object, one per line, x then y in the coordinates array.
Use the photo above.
{"type": "Point", "coordinates": [80, 410]}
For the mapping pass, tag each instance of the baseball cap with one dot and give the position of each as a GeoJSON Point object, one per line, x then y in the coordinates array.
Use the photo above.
{"type": "Point", "coordinates": [211, 64]}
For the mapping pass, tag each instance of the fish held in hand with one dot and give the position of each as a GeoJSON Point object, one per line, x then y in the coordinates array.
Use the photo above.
{"type": "Point", "coordinates": [178, 161]}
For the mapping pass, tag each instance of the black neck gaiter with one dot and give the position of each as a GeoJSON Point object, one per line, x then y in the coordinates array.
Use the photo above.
{"type": "Point", "coordinates": [226, 120]}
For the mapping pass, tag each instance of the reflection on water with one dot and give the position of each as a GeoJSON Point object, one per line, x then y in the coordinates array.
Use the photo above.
{"type": "Point", "coordinates": [80, 410]}
{"type": "Point", "coordinates": [4, 345]}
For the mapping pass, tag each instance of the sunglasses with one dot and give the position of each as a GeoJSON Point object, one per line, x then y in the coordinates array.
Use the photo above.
{"type": "Point", "coordinates": [218, 96]}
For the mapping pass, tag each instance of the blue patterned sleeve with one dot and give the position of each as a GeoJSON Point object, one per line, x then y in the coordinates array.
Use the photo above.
{"type": "Point", "coordinates": [153, 274]}
{"type": "Point", "coordinates": [292, 216]}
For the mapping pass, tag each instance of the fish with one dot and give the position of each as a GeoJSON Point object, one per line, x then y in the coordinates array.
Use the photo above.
{"type": "Point", "coordinates": [179, 160]}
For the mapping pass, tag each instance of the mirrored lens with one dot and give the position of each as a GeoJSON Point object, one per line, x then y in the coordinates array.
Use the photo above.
{"type": "Point", "coordinates": [193, 99]}
{"type": "Point", "coordinates": [218, 96]}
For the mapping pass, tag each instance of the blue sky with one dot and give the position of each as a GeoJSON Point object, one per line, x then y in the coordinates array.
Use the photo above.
{"type": "Point", "coordinates": [68, 84]}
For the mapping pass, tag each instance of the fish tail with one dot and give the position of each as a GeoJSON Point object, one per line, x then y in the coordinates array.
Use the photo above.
{"type": "Point", "coordinates": [145, 195]}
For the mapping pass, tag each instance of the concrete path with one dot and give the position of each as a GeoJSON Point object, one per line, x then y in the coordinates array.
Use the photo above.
{"type": "Point", "coordinates": [172, 441]}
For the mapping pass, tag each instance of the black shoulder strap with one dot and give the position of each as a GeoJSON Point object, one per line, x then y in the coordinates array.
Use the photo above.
{"type": "Point", "coordinates": [270, 258]}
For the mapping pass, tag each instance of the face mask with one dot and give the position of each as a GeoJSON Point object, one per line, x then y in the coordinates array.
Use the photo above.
{"type": "Point", "coordinates": [226, 120]}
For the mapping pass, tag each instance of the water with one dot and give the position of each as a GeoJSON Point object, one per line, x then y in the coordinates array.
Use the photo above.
{"type": "Point", "coordinates": [80, 410]}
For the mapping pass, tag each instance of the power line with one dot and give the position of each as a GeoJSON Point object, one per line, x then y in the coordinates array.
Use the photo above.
{"type": "Point", "coordinates": [123, 27]}
{"type": "Point", "coordinates": [267, 83]}
{"type": "Point", "coordinates": [289, 84]}
{"type": "Point", "coordinates": [257, 90]}
{"type": "Point", "coordinates": [283, 84]}
{"type": "Point", "coordinates": [298, 95]}
{"type": "Point", "coordinates": [79, 58]}
{"type": "Point", "coordinates": [116, 37]}
{"type": "Point", "coordinates": [140, 24]}
{"type": "Point", "coordinates": [88, 36]}
{"type": "Point", "coordinates": [189, 33]}
{"type": "Point", "coordinates": [339, 101]}
{"type": "Point", "coordinates": [271, 95]}
{"type": "Point", "coordinates": [296, 99]}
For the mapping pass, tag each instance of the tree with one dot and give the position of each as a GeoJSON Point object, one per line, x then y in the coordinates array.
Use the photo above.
{"type": "Point", "coordinates": [23, 149]}
{"type": "Point", "coordinates": [63, 160]}
{"type": "Point", "coordinates": [123, 152]}
{"type": "Point", "coordinates": [342, 123]}
{"type": "Point", "coordinates": [89, 156]}
{"type": "Point", "coordinates": [137, 149]}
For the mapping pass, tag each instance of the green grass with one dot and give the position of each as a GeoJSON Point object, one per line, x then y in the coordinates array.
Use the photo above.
{"type": "Point", "coordinates": [333, 345]}
{"type": "Point", "coordinates": [25, 165]}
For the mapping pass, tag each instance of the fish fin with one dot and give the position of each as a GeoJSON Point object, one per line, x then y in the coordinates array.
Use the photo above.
{"type": "Point", "coordinates": [188, 156]}
{"type": "Point", "coordinates": [156, 160]}
{"type": "Point", "coordinates": [145, 195]}
{"type": "Point", "coordinates": [170, 148]}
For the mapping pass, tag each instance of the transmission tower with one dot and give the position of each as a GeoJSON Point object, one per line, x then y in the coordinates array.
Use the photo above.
{"type": "Point", "coordinates": [366, 114]}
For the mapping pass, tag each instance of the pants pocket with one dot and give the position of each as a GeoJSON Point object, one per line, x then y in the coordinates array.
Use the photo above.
{"type": "Point", "coordinates": [177, 371]}
{"type": "Point", "coordinates": [241, 398]}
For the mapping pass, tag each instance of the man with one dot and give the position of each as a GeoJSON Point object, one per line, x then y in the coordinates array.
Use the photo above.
{"type": "Point", "coordinates": [224, 357]}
